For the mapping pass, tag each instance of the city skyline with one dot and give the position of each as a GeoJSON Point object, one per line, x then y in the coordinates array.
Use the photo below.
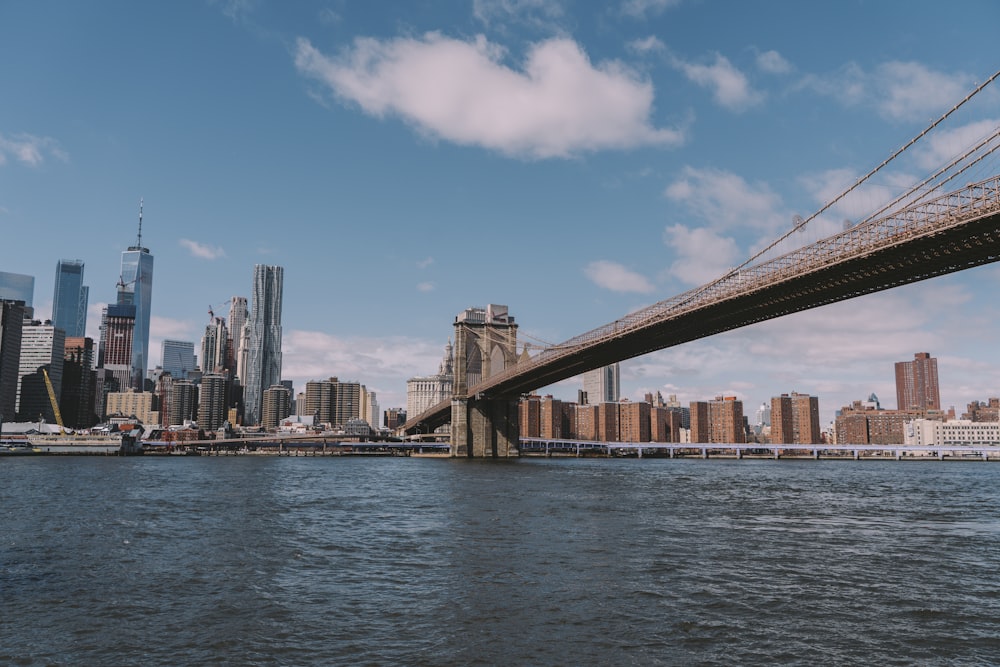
{"type": "Point", "coordinates": [282, 135]}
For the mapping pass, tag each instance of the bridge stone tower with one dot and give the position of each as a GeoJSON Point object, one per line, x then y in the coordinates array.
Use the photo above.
{"type": "Point", "coordinates": [485, 344]}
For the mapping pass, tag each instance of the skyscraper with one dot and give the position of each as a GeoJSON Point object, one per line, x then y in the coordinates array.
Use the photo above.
{"type": "Point", "coordinates": [177, 358]}
{"type": "Point", "coordinates": [795, 419]}
{"type": "Point", "coordinates": [43, 346]}
{"type": "Point", "coordinates": [77, 400]}
{"type": "Point", "coordinates": [237, 319]}
{"type": "Point", "coordinates": [117, 334]}
{"type": "Point", "coordinates": [602, 385]}
{"type": "Point", "coordinates": [17, 287]}
{"type": "Point", "coordinates": [135, 287]}
{"type": "Point", "coordinates": [917, 383]}
{"type": "Point", "coordinates": [264, 341]}
{"type": "Point", "coordinates": [11, 323]}
{"type": "Point", "coordinates": [212, 402]}
{"type": "Point", "coordinates": [69, 298]}
{"type": "Point", "coordinates": [214, 346]}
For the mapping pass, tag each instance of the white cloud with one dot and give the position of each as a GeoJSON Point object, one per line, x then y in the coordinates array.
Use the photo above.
{"type": "Point", "coordinates": [651, 44]}
{"type": "Point", "coordinates": [542, 14]}
{"type": "Point", "coordinates": [640, 8]}
{"type": "Point", "coordinates": [702, 254]}
{"type": "Point", "coordinates": [727, 201]}
{"type": "Point", "coordinates": [772, 62]}
{"type": "Point", "coordinates": [29, 149]}
{"type": "Point", "coordinates": [425, 287]}
{"type": "Point", "coordinates": [911, 91]}
{"type": "Point", "coordinates": [201, 250]}
{"type": "Point", "coordinates": [424, 263]}
{"type": "Point", "coordinates": [943, 145]}
{"type": "Point", "coordinates": [730, 87]}
{"type": "Point", "coordinates": [897, 90]}
{"type": "Point", "coordinates": [616, 277]}
{"type": "Point", "coordinates": [558, 105]}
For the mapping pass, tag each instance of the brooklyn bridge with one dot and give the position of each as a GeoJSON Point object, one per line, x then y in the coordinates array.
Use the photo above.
{"type": "Point", "coordinates": [945, 223]}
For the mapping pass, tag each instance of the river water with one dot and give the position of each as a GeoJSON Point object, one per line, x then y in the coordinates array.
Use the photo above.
{"type": "Point", "coordinates": [329, 561]}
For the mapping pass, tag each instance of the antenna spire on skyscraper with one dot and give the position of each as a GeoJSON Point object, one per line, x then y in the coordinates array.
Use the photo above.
{"type": "Point", "coordinates": [138, 242]}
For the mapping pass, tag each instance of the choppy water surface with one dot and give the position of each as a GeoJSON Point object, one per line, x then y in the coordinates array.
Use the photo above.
{"type": "Point", "coordinates": [322, 561]}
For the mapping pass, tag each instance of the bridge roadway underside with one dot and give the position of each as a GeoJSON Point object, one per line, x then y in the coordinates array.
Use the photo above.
{"type": "Point", "coordinates": [917, 258]}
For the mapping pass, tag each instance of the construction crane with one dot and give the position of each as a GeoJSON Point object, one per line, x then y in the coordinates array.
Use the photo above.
{"type": "Point", "coordinates": [52, 399]}
{"type": "Point", "coordinates": [211, 309]}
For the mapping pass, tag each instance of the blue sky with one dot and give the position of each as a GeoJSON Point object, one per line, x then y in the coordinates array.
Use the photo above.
{"type": "Point", "coordinates": [575, 161]}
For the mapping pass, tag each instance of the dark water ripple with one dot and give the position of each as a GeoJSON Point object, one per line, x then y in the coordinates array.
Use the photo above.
{"type": "Point", "coordinates": [267, 561]}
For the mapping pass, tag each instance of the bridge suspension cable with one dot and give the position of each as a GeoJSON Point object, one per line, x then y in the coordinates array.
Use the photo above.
{"type": "Point", "coordinates": [864, 178]}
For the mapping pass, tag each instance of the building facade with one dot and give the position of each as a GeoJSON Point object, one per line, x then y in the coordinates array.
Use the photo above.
{"type": "Point", "coordinates": [264, 342]}
{"type": "Point", "coordinates": [18, 287]}
{"type": "Point", "coordinates": [140, 405]}
{"type": "Point", "coordinates": [238, 315]}
{"type": "Point", "coordinates": [212, 401]}
{"type": "Point", "coordinates": [276, 406]}
{"type": "Point", "coordinates": [43, 348]}
{"type": "Point", "coordinates": [958, 432]}
{"type": "Point", "coordinates": [117, 347]}
{"type": "Point", "coordinates": [135, 288]}
{"type": "Point", "coordinates": [215, 346]}
{"type": "Point", "coordinates": [795, 419]}
{"type": "Point", "coordinates": [917, 383]}
{"type": "Point", "coordinates": [602, 385]}
{"type": "Point", "coordinates": [718, 421]}
{"type": "Point", "coordinates": [423, 393]}
{"type": "Point", "coordinates": [69, 298]}
{"type": "Point", "coordinates": [11, 323]}
{"type": "Point", "coordinates": [77, 399]}
{"type": "Point", "coordinates": [177, 358]}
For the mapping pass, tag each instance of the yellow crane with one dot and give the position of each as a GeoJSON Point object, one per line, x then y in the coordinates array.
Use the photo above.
{"type": "Point", "coordinates": [52, 398]}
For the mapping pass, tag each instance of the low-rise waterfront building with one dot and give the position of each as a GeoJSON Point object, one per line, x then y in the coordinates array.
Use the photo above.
{"type": "Point", "coordinates": [958, 432]}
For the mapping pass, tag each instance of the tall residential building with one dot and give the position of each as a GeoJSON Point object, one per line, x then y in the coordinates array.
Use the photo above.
{"type": "Point", "coordinates": [634, 421]}
{"type": "Point", "coordinates": [917, 383]}
{"type": "Point", "coordinates": [718, 421]}
{"type": "Point", "coordinates": [603, 385]}
{"type": "Point", "coordinates": [424, 392]}
{"type": "Point", "coordinates": [69, 298]}
{"type": "Point", "coordinates": [115, 354]}
{"type": "Point", "coordinates": [77, 400]}
{"type": "Point", "coordinates": [181, 402]}
{"type": "Point", "coordinates": [369, 407]}
{"type": "Point", "coordinates": [214, 346]}
{"type": "Point", "coordinates": [263, 365]}
{"type": "Point", "coordinates": [178, 358]}
{"type": "Point", "coordinates": [18, 287]}
{"type": "Point", "coordinates": [795, 420]}
{"type": "Point", "coordinates": [238, 315]}
{"type": "Point", "coordinates": [135, 287]}
{"type": "Point", "coordinates": [43, 347]}
{"type": "Point", "coordinates": [11, 322]}
{"type": "Point", "coordinates": [275, 406]}
{"type": "Point", "coordinates": [212, 402]}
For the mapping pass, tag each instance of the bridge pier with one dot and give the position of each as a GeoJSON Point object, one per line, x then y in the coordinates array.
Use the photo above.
{"type": "Point", "coordinates": [485, 428]}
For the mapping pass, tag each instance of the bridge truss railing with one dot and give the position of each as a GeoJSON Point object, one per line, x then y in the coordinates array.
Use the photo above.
{"type": "Point", "coordinates": [971, 202]}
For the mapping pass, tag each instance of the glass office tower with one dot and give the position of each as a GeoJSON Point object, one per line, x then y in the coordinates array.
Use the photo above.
{"type": "Point", "coordinates": [69, 299]}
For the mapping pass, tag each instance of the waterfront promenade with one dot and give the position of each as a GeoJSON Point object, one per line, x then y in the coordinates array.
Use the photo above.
{"type": "Point", "coordinates": [534, 447]}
